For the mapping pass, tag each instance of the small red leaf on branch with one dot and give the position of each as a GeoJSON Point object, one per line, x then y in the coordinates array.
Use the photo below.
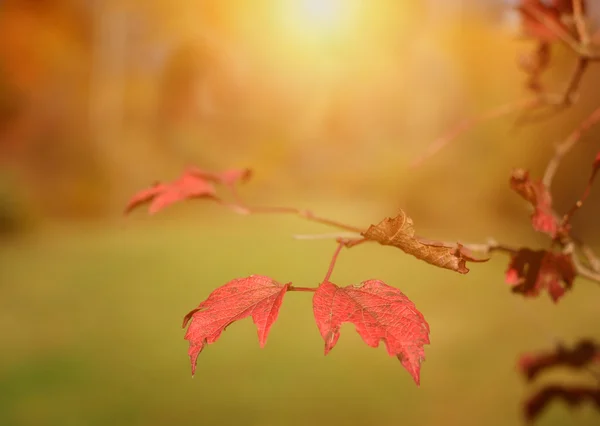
{"type": "Point", "coordinates": [399, 232]}
{"type": "Point", "coordinates": [162, 195]}
{"type": "Point", "coordinates": [541, 21]}
{"type": "Point", "coordinates": [583, 354]}
{"type": "Point", "coordinates": [536, 193]}
{"type": "Point", "coordinates": [379, 312]}
{"type": "Point", "coordinates": [531, 271]}
{"type": "Point", "coordinates": [257, 296]}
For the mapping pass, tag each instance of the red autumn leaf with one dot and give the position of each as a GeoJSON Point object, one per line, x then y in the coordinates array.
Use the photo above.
{"type": "Point", "coordinates": [572, 395]}
{"type": "Point", "coordinates": [536, 193]}
{"type": "Point", "coordinates": [256, 296]}
{"type": "Point", "coordinates": [541, 21]}
{"type": "Point", "coordinates": [531, 271]}
{"type": "Point", "coordinates": [583, 354]}
{"type": "Point", "coordinates": [162, 195]}
{"type": "Point", "coordinates": [399, 232]}
{"type": "Point", "coordinates": [379, 312]}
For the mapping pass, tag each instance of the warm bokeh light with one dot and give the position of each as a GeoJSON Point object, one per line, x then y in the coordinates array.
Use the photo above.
{"type": "Point", "coordinates": [319, 19]}
{"type": "Point", "coordinates": [321, 13]}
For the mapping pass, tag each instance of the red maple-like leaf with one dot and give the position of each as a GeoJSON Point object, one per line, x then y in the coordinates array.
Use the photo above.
{"type": "Point", "coordinates": [162, 195]}
{"type": "Point", "coordinates": [257, 296]}
{"type": "Point", "coordinates": [537, 194]}
{"type": "Point", "coordinates": [379, 312]}
{"type": "Point", "coordinates": [531, 271]}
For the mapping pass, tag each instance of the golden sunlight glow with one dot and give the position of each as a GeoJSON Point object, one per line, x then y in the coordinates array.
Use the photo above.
{"type": "Point", "coordinates": [319, 19]}
{"type": "Point", "coordinates": [321, 13]}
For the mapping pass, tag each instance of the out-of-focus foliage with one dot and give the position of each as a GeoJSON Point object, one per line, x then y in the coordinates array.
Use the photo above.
{"type": "Point", "coordinates": [101, 97]}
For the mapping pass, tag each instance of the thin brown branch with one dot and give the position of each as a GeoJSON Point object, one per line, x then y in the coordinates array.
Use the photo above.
{"type": "Point", "coordinates": [330, 236]}
{"type": "Point", "coordinates": [341, 245]}
{"type": "Point", "coordinates": [490, 247]}
{"type": "Point", "coordinates": [575, 80]}
{"type": "Point", "coordinates": [467, 124]}
{"type": "Point", "coordinates": [305, 214]}
{"type": "Point", "coordinates": [586, 194]}
{"type": "Point", "coordinates": [582, 29]}
{"type": "Point", "coordinates": [555, 28]}
{"type": "Point", "coordinates": [586, 251]}
{"type": "Point", "coordinates": [580, 268]}
{"type": "Point", "coordinates": [564, 147]}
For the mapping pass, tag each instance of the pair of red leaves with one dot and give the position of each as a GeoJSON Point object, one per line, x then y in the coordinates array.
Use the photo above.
{"type": "Point", "coordinates": [379, 312]}
{"type": "Point", "coordinates": [584, 355]}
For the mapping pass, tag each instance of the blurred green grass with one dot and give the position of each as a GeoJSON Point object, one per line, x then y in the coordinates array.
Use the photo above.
{"type": "Point", "coordinates": [91, 332]}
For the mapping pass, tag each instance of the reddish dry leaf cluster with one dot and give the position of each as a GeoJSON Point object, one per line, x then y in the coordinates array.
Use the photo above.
{"type": "Point", "coordinates": [585, 355]}
{"type": "Point", "coordinates": [379, 312]}
{"type": "Point", "coordinates": [536, 193]}
{"type": "Point", "coordinates": [532, 271]}
{"type": "Point", "coordinates": [546, 22]}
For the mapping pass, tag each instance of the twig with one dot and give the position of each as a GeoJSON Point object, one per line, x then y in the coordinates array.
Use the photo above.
{"type": "Point", "coordinates": [582, 30]}
{"type": "Point", "coordinates": [469, 123]}
{"type": "Point", "coordinates": [588, 253]}
{"type": "Point", "coordinates": [579, 267]}
{"type": "Point", "coordinates": [332, 236]}
{"type": "Point", "coordinates": [586, 193]}
{"type": "Point", "coordinates": [555, 28]}
{"type": "Point", "coordinates": [563, 148]}
{"type": "Point", "coordinates": [341, 245]}
{"type": "Point", "coordinates": [490, 247]}
{"type": "Point", "coordinates": [305, 214]}
{"type": "Point", "coordinates": [575, 80]}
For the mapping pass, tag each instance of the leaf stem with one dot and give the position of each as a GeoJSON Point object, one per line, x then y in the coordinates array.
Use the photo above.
{"type": "Point", "coordinates": [341, 244]}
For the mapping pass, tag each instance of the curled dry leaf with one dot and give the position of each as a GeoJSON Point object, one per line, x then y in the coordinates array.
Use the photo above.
{"type": "Point", "coordinates": [399, 232]}
{"type": "Point", "coordinates": [162, 195]}
{"type": "Point", "coordinates": [536, 193]}
{"type": "Point", "coordinates": [583, 353]}
{"type": "Point", "coordinates": [256, 296]}
{"type": "Point", "coordinates": [532, 271]}
{"type": "Point", "coordinates": [380, 313]}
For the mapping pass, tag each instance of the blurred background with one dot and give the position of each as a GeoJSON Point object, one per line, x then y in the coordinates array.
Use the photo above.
{"type": "Point", "coordinates": [328, 102]}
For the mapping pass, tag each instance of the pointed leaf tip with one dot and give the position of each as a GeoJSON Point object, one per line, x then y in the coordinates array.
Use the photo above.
{"type": "Point", "coordinates": [380, 313]}
{"type": "Point", "coordinates": [256, 296]}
